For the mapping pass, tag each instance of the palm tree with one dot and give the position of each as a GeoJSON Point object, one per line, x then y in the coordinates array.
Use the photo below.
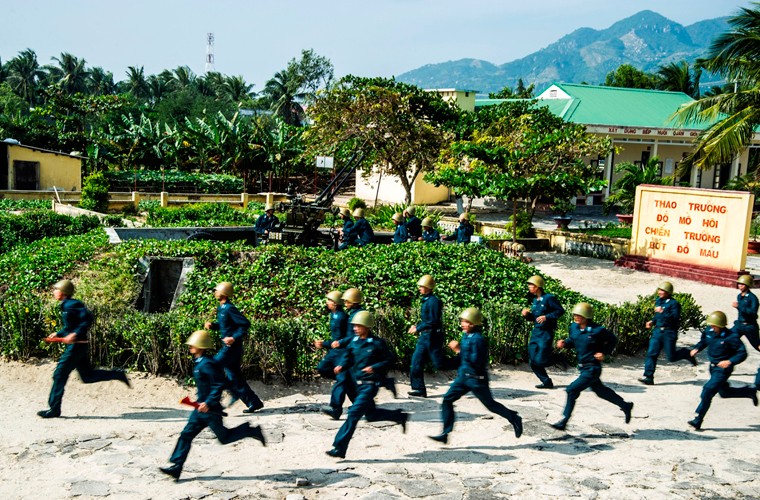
{"type": "Point", "coordinates": [282, 94]}
{"type": "Point", "coordinates": [735, 55]}
{"type": "Point", "coordinates": [136, 83]}
{"type": "Point", "coordinates": [71, 73]}
{"type": "Point", "coordinates": [237, 89]}
{"type": "Point", "coordinates": [157, 88]}
{"type": "Point", "coordinates": [182, 77]}
{"type": "Point", "coordinates": [101, 82]}
{"type": "Point", "coordinates": [680, 77]}
{"type": "Point", "coordinates": [3, 71]}
{"type": "Point", "coordinates": [24, 74]}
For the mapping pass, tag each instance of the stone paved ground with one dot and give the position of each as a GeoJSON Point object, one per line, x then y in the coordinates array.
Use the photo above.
{"type": "Point", "coordinates": [111, 440]}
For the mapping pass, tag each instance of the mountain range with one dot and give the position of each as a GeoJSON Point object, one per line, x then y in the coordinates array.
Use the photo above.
{"type": "Point", "coordinates": [646, 40]}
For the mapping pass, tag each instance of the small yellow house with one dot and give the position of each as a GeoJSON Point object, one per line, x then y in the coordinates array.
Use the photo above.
{"type": "Point", "coordinates": [26, 168]}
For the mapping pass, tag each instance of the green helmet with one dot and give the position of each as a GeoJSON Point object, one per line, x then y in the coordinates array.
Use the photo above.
{"type": "Point", "coordinates": [364, 318]}
{"type": "Point", "coordinates": [411, 210]}
{"type": "Point", "coordinates": [345, 212]}
{"type": "Point", "coordinates": [427, 222]}
{"type": "Point", "coordinates": [584, 309]}
{"type": "Point", "coordinates": [427, 281]}
{"type": "Point", "coordinates": [746, 280]}
{"type": "Point", "coordinates": [353, 295]}
{"type": "Point", "coordinates": [66, 287]}
{"type": "Point", "coordinates": [666, 286]}
{"type": "Point", "coordinates": [358, 213]}
{"type": "Point", "coordinates": [336, 297]}
{"type": "Point", "coordinates": [537, 280]}
{"type": "Point", "coordinates": [717, 318]}
{"type": "Point", "coordinates": [473, 315]}
{"type": "Point", "coordinates": [397, 217]}
{"type": "Point", "coordinates": [200, 339]}
{"type": "Point", "coordinates": [226, 289]}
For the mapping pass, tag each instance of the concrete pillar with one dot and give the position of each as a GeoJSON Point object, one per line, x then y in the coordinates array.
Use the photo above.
{"type": "Point", "coordinates": [269, 199]}
{"type": "Point", "coordinates": [164, 199]}
{"type": "Point", "coordinates": [244, 199]}
{"type": "Point", "coordinates": [135, 199]}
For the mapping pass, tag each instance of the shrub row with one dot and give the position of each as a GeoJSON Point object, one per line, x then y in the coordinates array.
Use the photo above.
{"type": "Point", "coordinates": [34, 225]}
{"type": "Point", "coordinates": [8, 204]}
{"type": "Point", "coordinates": [282, 290]}
{"type": "Point", "coordinates": [201, 214]}
{"type": "Point", "coordinates": [155, 181]}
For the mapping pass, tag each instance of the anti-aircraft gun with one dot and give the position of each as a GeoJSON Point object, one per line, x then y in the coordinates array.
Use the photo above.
{"type": "Point", "coordinates": [303, 218]}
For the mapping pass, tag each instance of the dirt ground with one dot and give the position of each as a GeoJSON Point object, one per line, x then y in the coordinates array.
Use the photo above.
{"type": "Point", "coordinates": [111, 439]}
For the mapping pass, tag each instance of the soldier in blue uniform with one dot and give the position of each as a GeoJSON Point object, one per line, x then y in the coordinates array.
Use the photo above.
{"type": "Point", "coordinates": [429, 234]}
{"type": "Point", "coordinates": [472, 376]}
{"type": "Point", "coordinates": [360, 233]}
{"type": "Point", "coordinates": [664, 324]}
{"type": "Point", "coordinates": [343, 385]}
{"type": "Point", "coordinates": [209, 379]}
{"type": "Point", "coordinates": [401, 235]}
{"type": "Point", "coordinates": [367, 357]}
{"type": "Point", "coordinates": [746, 324]}
{"type": "Point", "coordinates": [345, 231]}
{"type": "Point", "coordinates": [233, 329]}
{"type": "Point", "coordinates": [544, 312]}
{"type": "Point", "coordinates": [464, 231]}
{"type": "Point", "coordinates": [77, 320]}
{"type": "Point", "coordinates": [725, 350]}
{"type": "Point", "coordinates": [413, 223]}
{"type": "Point", "coordinates": [266, 222]}
{"type": "Point", "coordinates": [430, 336]}
{"type": "Point", "coordinates": [592, 342]}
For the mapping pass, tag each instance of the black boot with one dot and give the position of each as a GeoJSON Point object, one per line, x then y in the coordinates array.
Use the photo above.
{"type": "Point", "coordinates": [49, 413]}
{"type": "Point", "coordinates": [173, 471]}
{"type": "Point", "coordinates": [560, 425]}
{"type": "Point", "coordinates": [441, 438]}
{"type": "Point", "coordinates": [627, 410]}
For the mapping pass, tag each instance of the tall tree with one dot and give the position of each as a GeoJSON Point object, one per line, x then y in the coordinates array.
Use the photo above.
{"type": "Point", "coordinates": [735, 55]}
{"type": "Point", "coordinates": [24, 73]}
{"type": "Point", "coordinates": [519, 92]}
{"type": "Point", "coordinates": [101, 82]}
{"type": "Point", "coordinates": [136, 83]}
{"type": "Point", "coordinates": [400, 128]}
{"type": "Point", "coordinates": [71, 74]}
{"type": "Point", "coordinates": [282, 94]}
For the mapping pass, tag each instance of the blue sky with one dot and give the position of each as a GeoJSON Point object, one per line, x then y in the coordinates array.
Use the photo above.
{"type": "Point", "coordinates": [257, 38]}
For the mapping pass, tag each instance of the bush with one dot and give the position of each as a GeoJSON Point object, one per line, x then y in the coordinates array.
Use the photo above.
{"type": "Point", "coordinates": [95, 193]}
{"type": "Point", "coordinates": [173, 181]}
{"type": "Point", "coordinates": [355, 203]}
{"type": "Point", "coordinates": [9, 205]}
{"type": "Point", "coordinates": [524, 225]}
{"type": "Point", "coordinates": [281, 290]}
{"type": "Point", "coordinates": [37, 224]}
{"type": "Point", "coordinates": [201, 214]}
{"type": "Point", "coordinates": [382, 216]}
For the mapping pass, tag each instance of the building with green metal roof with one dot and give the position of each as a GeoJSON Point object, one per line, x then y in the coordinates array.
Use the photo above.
{"type": "Point", "coordinates": [640, 124]}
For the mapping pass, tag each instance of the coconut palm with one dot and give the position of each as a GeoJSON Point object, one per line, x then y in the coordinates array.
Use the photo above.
{"type": "Point", "coordinates": [71, 73]}
{"type": "Point", "coordinates": [237, 89]}
{"type": "Point", "coordinates": [24, 74]}
{"type": "Point", "coordinates": [735, 55]}
{"type": "Point", "coordinates": [136, 83]}
{"type": "Point", "coordinates": [680, 77]}
{"type": "Point", "coordinates": [282, 95]}
{"type": "Point", "coordinates": [101, 82]}
{"type": "Point", "coordinates": [182, 77]}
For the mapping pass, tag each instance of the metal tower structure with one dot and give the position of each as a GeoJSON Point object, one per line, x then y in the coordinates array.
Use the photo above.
{"type": "Point", "coordinates": [209, 52]}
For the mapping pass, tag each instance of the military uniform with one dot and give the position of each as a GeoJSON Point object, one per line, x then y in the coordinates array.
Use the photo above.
{"type": "Point", "coordinates": [429, 343]}
{"type": "Point", "coordinates": [230, 322]}
{"type": "Point", "coordinates": [721, 346]}
{"type": "Point", "coordinates": [430, 236]}
{"type": "Point", "coordinates": [209, 379]}
{"type": "Point", "coordinates": [360, 354]}
{"type": "Point", "coordinates": [746, 324]}
{"type": "Point", "coordinates": [541, 345]}
{"type": "Point", "coordinates": [462, 233]}
{"type": "Point", "coordinates": [76, 319]}
{"type": "Point", "coordinates": [343, 385]}
{"type": "Point", "coordinates": [414, 227]}
{"type": "Point", "coordinates": [359, 234]}
{"type": "Point", "coordinates": [401, 235]}
{"type": "Point", "coordinates": [265, 223]}
{"type": "Point", "coordinates": [473, 377]}
{"type": "Point", "coordinates": [664, 335]}
{"type": "Point", "coordinates": [587, 341]}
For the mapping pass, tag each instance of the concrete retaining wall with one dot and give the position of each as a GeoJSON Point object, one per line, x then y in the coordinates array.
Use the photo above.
{"type": "Point", "coordinates": [589, 245]}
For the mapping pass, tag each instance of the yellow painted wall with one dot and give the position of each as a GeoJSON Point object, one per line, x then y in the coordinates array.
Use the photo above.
{"type": "Point", "coordinates": [391, 191]}
{"type": "Point", "coordinates": [59, 170]}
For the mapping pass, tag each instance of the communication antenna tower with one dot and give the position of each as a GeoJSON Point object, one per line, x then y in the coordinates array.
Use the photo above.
{"type": "Point", "coordinates": [209, 52]}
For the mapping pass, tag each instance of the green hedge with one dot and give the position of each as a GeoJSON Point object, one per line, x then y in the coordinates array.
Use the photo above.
{"type": "Point", "coordinates": [8, 205]}
{"type": "Point", "coordinates": [281, 289]}
{"type": "Point", "coordinates": [174, 181]}
{"type": "Point", "coordinates": [201, 214]}
{"type": "Point", "coordinates": [34, 225]}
